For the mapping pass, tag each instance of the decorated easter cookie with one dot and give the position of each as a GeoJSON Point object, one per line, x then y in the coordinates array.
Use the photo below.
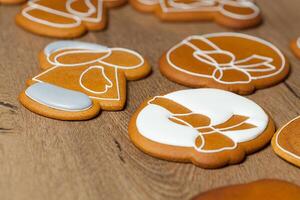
{"type": "Point", "coordinates": [65, 18]}
{"type": "Point", "coordinates": [208, 127]}
{"type": "Point", "coordinates": [230, 13]}
{"type": "Point", "coordinates": [81, 78]}
{"type": "Point", "coordinates": [295, 45]}
{"type": "Point", "coordinates": [12, 1]}
{"type": "Point", "coordinates": [286, 142]}
{"type": "Point", "coordinates": [267, 189]}
{"type": "Point", "coordinates": [231, 61]}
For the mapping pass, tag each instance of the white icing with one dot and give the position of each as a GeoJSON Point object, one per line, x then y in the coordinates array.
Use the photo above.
{"type": "Point", "coordinates": [58, 97]}
{"type": "Point", "coordinates": [149, 2]}
{"type": "Point", "coordinates": [68, 44]}
{"type": "Point", "coordinates": [298, 42]}
{"type": "Point", "coordinates": [197, 4]}
{"type": "Point", "coordinates": [234, 63]}
{"type": "Point", "coordinates": [75, 15]}
{"type": "Point", "coordinates": [153, 121]}
{"type": "Point", "coordinates": [91, 8]}
{"type": "Point", "coordinates": [279, 146]}
{"type": "Point", "coordinates": [84, 47]}
{"type": "Point", "coordinates": [211, 6]}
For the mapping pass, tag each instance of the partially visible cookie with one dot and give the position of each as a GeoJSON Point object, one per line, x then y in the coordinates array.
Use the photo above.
{"type": "Point", "coordinates": [80, 79]}
{"type": "Point", "coordinates": [286, 142]}
{"type": "Point", "coordinates": [230, 13]}
{"type": "Point", "coordinates": [230, 61]}
{"type": "Point", "coordinates": [208, 127]}
{"type": "Point", "coordinates": [267, 189]}
{"type": "Point", "coordinates": [295, 46]}
{"type": "Point", "coordinates": [12, 1]}
{"type": "Point", "coordinates": [65, 18]}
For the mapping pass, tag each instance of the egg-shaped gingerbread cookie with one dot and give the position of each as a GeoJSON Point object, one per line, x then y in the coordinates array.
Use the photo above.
{"type": "Point", "coordinates": [286, 142]}
{"type": "Point", "coordinates": [267, 189]}
{"type": "Point", "coordinates": [208, 127]}
{"type": "Point", "coordinates": [231, 61]}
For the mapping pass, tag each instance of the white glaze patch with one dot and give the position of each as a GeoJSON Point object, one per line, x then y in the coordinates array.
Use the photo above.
{"type": "Point", "coordinates": [153, 121]}
{"type": "Point", "coordinates": [233, 64]}
{"type": "Point", "coordinates": [68, 44]}
{"type": "Point", "coordinates": [58, 98]}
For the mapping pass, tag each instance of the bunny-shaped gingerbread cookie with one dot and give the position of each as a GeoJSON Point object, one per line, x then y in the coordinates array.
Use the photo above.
{"type": "Point", "coordinates": [65, 18]}
{"type": "Point", "coordinates": [81, 78]}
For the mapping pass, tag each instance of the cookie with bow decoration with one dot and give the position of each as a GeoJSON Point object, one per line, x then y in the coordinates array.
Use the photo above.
{"type": "Point", "coordinates": [266, 189]}
{"type": "Point", "coordinates": [295, 46]}
{"type": "Point", "coordinates": [231, 61]}
{"type": "Point", "coordinates": [81, 78]}
{"type": "Point", "coordinates": [208, 127]}
{"type": "Point", "coordinates": [286, 142]}
{"type": "Point", "coordinates": [65, 18]}
{"type": "Point", "coordinates": [230, 13]}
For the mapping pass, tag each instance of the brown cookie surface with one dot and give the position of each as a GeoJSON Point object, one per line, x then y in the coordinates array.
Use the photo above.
{"type": "Point", "coordinates": [65, 18]}
{"type": "Point", "coordinates": [12, 1]}
{"type": "Point", "coordinates": [232, 13]}
{"type": "Point", "coordinates": [262, 189]}
{"type": "Point", "coordinates": [231, 61]}
{"type": "Point", "coordinates": [286, 142]}
{"type": "Point", "coordinates": [208, 127]}
{"type": "Point", "coordinates": [80, 78]}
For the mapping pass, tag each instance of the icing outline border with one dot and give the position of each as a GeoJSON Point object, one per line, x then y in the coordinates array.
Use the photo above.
{"type": "Point", "coordinates": [224, 34]}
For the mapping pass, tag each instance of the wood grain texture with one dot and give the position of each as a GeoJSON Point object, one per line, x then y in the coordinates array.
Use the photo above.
{"type": "Point", "coordinates": [41, 158]}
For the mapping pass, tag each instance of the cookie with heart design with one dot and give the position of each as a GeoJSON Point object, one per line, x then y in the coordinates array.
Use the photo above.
{"type": "Point", "coordinates": [208, 127]}
{"type": "Point", "coordinates": [65, 18]}
{"type": "Point", "coordinates": [295, 46]}
{"type": "Point", "coordinates": [81, 78]}
{"type": "Point", "coordinates": [286, 142]}
{"type": "Point", "coordinates": [230, 13]}
{"type": "Point", "coordinates": [266, 189]}
{"type": "Point", "coordinates": [231, 61]}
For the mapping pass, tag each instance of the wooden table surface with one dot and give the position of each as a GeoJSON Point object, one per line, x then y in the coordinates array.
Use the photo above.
{"type": "Point", "coordinates": [43, 159]}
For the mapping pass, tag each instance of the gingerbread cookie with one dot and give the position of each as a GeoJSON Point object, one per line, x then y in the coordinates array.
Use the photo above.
{"type": "Point", "coordinates": [267, 189]}
{"type": "Point", "coordinates": [295, 46]}
{"type": "Point", "coordinates": [208, 127]}
{"type": "Point", "coordinates": [230, 13]}
{"type": "Point", "coordinates": [231, 61]}
{"type": "Point", "coordinates": [286, 142]}
{"type": "Point", "coordinates": [65, 18]}
{"type": "Point", "coordinates": [12, 1]}
{"type": "Point", "coordinates": [81, 78]}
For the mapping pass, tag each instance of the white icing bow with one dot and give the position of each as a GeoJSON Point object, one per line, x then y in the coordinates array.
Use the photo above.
{"type": "Point", "coordinates": [241, 68]}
